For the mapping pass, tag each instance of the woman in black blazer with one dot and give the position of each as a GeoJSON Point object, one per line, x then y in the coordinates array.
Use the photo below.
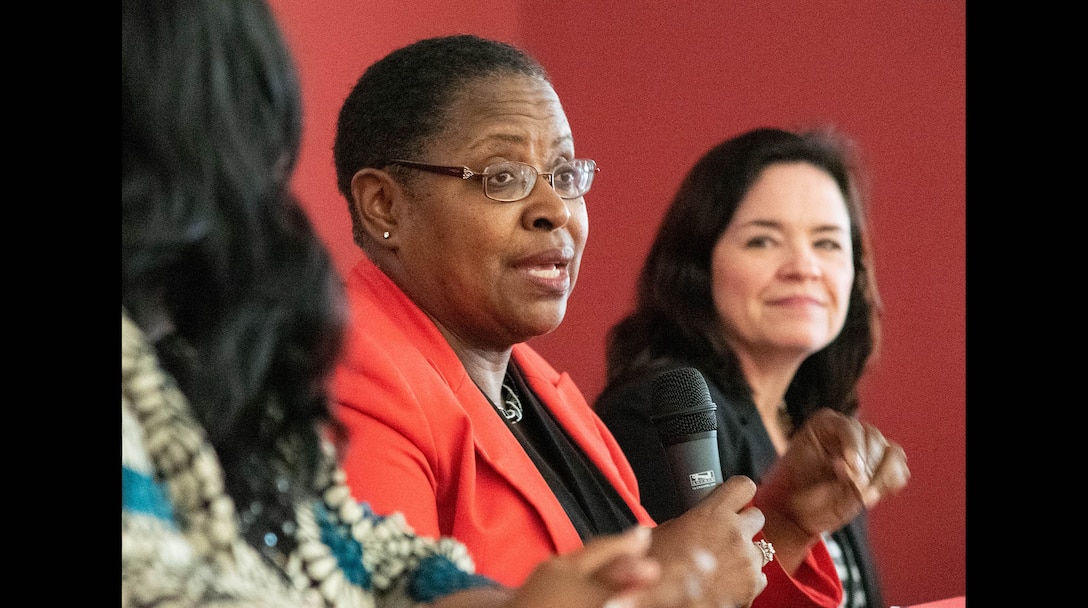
{"type": "Point", "coordinates": [760, 277]}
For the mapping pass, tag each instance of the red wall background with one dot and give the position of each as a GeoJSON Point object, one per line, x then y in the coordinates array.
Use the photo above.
{"type": "Point", "coordinates": [648, 87]}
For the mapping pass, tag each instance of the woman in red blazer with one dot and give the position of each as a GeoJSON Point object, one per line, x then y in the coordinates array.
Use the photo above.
{"type": "Point", "coordinates": [459, 424]}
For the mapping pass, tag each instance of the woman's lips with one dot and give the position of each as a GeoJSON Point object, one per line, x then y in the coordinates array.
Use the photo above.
{"type": "Point", "coordinates": [797, 300]}
{"type": "Point", "coordinates": [799, 304]}
{"type": "Point", "coordinates": [549, 270]}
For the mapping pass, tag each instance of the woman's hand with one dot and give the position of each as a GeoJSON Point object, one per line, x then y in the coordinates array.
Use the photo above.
{"type": "Point", "coordinates": [608, 572]}
{"type": "Point", "coordinates": [704, 558]}
{"type": "Point", "coordinates": [707, 554]}
{"type": "Point", "coordinates": [608, 569]}
{"type": "Point", "coordinates": [835, 467]}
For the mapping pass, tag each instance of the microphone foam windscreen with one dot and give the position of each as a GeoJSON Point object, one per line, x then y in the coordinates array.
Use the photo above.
{"type": "Point", "coordinates": [683, 403]}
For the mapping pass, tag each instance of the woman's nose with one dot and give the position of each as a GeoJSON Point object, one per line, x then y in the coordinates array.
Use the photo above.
{"type": "Point", "coordinates": [545, 208]}
{"type": "Point", "coordinates": [803, 263]}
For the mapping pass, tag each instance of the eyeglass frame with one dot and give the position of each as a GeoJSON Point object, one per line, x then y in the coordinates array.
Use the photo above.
{"type": "Point", "coordinates": [465, 173]}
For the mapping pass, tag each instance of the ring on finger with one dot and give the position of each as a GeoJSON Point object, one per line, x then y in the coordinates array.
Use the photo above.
{"type": "Point", "coordinates": [767, 549]}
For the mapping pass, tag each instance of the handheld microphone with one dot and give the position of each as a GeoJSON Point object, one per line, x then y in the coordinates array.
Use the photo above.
{"type": "Point", "coordinates": [687, 423]}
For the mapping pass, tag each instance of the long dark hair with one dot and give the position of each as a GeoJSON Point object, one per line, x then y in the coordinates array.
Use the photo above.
{"type": "Point", "coordinates": [219, 263]}
{"type": "Point", "coordinates": [675, 318]}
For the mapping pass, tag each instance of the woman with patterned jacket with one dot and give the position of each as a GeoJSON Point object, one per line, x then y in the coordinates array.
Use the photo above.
{"type": "Point", "coordinates": [231, 319]}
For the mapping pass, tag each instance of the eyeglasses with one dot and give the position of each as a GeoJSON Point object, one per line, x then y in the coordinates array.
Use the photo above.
{"type": "Point", "coordinates": [510, 181]}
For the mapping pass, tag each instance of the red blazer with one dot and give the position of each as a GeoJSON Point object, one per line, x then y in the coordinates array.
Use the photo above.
{"type": "Point", "coordinates": [424, 441]}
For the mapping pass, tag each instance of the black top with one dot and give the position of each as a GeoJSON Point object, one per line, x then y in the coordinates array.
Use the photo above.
{"type": "Point", "coordinates": [593, 505]}
{"type": "Point", "coordinates": [745, 449]}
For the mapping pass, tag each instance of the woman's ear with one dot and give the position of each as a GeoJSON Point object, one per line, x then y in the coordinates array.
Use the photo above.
{"type": "Point", "coordinates": [374, 193]}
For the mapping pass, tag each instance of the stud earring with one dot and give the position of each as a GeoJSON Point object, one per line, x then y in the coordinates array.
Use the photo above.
{"type": "Point", "coordinates": [385, 235]}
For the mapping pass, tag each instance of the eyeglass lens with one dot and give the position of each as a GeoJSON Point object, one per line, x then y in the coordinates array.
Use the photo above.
{"type": "Point", "coordinates": [513, 181]}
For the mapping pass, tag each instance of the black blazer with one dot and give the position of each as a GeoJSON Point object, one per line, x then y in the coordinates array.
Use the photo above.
{"type": "Point", "coordinates": [743, 444]}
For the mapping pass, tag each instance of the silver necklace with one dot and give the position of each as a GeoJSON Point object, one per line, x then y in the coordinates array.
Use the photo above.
{"type": "Point", "coordinates": [511, 409]}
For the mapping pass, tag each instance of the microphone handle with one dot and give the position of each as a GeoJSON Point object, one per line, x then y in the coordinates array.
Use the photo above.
{"type": "Point", "coordinates": [696, 467]}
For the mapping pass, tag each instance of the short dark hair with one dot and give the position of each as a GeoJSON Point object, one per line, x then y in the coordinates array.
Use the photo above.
{"type": "Point", "coordinates": [675, 315]}
{"type": "Point", "coordinates": [400, 101]}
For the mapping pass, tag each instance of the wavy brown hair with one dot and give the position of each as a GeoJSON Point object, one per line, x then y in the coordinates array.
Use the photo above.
{"type": "Point", "coordinates": [219, 264]}
{"type": "Point", "coordinates": [674, 316]}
